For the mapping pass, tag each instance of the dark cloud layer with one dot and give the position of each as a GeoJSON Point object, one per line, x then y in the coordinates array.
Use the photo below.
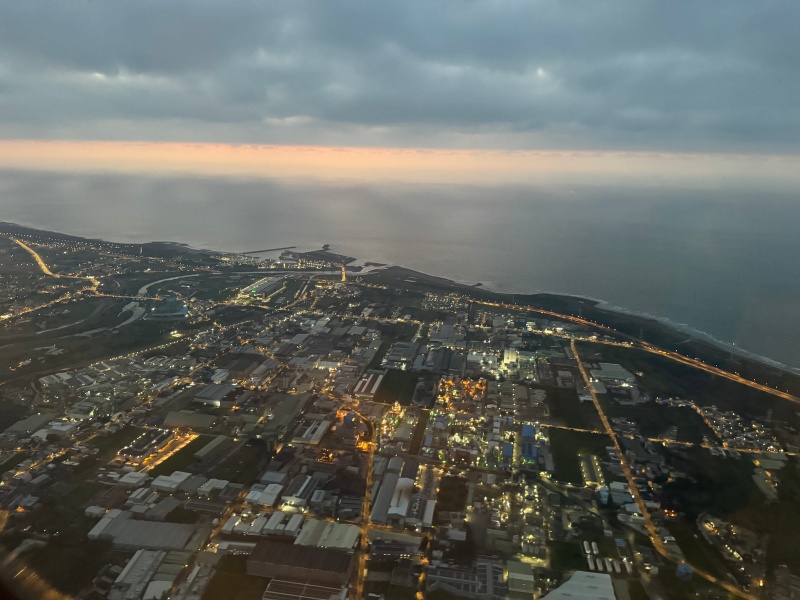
{"type": "Point", "coordinates": [689, 76]}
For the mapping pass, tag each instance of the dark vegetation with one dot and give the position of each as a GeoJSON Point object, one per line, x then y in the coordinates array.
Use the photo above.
{"type": "Point", "coordinates": [232, 581]}
{"type": "Point", "coordinates": [667, 378]}
{"type": "Point", "coordinates": [69, 562]}
{"type": "Point", "coordinates": [780, 520]}
{"type": "Point", "coordinates": [10, 413]}
{"type": "Point", "coordinates": [566, 556]}
{"type": "Point", "coordinates": [565, 406]}
{"type": "Point", "coordinates": [452, 495]}
{"type": "Point", "coordinates": [397, 386]}
{"type": "Point", "coordinates": [654, 419]}
{"type": "Point", "coordinates": [720, 486]}
{"type": "Point", "coordinates": [566, 445]}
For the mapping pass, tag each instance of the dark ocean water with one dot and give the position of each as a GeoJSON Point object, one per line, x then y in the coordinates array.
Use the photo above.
{"type": "Point", "coordinates": [721, 261]}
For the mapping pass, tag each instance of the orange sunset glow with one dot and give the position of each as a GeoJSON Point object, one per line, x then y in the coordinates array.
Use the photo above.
{"type": "Point", "coordinates": [354, 163]}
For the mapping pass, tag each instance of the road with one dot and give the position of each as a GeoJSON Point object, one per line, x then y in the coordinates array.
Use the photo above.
{"type": "Point", "coordinates": [648, 347]}
{"type": "Point", "coordinates": [365, 513]}
{"type": "Point", "coordinates": [655, 537]}
{"type": "Point", "coordinates": [94, 283]}
{"type": "Point", "coordinates": [42, 265]}
{"type": "Point", "coordinates": [637, 343]}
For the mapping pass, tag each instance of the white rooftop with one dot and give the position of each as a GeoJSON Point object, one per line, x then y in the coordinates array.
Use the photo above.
{"type": "Point", "coordinates": [584, 585]}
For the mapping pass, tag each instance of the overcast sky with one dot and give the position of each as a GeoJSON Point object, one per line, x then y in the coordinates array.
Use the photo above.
{"type": "Point", "coordinates": [707, 77]}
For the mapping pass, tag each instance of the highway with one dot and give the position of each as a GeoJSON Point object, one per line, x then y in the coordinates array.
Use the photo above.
{"type": "Point", "coordinates": [42, 265]}
{"type": "Point", "coordinates": [655, 537]}
{"type": "Point", "coordinates": [92, 288]}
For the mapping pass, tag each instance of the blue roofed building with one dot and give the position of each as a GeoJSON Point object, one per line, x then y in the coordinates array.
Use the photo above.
{"type": "Point", "coordinates": [528, 433]}
{"type": "Point", "coordinates": [508, 452]}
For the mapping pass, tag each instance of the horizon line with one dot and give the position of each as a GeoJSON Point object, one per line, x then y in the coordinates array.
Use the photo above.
{"type": "Point", "coordinates": [466, 165]}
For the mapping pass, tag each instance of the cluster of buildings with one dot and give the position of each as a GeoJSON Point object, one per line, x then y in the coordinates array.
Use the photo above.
{"type": "Point", "coordinates": [366, 438]}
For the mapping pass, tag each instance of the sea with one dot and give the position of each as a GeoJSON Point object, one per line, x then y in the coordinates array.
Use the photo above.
{"type": "Point", "coordinates": [718, 261]}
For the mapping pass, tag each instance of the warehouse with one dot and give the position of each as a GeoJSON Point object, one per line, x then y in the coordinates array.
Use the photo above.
{"type": "Point", "coordinates": [283, 589]}
{"type": "Point", "coordinates": [264, 495]}
{"type": "Point", "coordinates": [212, 449]}
{"type": "Point", "coordinates": [320, 565]}
{"type": "Point", "coordinates": [368, 385]}
{"type": "Point", "coordinates": [128, 534]}
{"type": "Point", "coordinates": [327, 534]}
{"type": "Point", "coordinates": [311, 431]}
{"type": "Point", "coordinates": [189, 419]}
{"type": "Point", "coordinates": [383, 501]}
{"type": "Point", "coordinates": [299, 490]}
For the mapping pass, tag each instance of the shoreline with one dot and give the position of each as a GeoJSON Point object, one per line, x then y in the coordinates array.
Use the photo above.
{"type": "Point", "coordinates": [692, 333]}
{"type": "Point", "coordinates": [372, 268]}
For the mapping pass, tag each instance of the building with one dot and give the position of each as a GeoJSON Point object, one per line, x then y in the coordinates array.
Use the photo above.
{"type": "Point", "coordinates": [28, 425]}
{"type": "Point", "coordinates": [134, 578]}
{"type": "Point", "coordinates": [189, 419]}
{"type": "Point", "coordinates": [368, 385]}
{"type": "Point", "coordinates": [169, 484]}
{"type": "Point", "coordinates": [320, 565]}
{"type": "Point", "coordinates": [459, 582]}
{"type": "Point", "coordinates": [584, 585]}
{"type": "Point", "coordinates": [613, 373]}
{"type": "Point", "coordinates": [127, 534]}
{"type": "Point", "coordinates": [383, 501]}
{"type": "Point", "coordinates": [521, 580]}
{"type": "Point", "coordinates": [285, 589]}
{"type": "Point", "coordinates": [327, 534]}
{"type": "Point", "coordinates": [169, 309]}
{"type": "Point", "coordinates": [311, 432]}
{"type": "Point", "coordinates": [212, 449]}
{"type": "Point", "coordinates": [300, 490]}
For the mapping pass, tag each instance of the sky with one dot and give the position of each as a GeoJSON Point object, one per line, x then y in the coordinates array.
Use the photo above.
{"type": "Point", "coordinates": [516, 87]}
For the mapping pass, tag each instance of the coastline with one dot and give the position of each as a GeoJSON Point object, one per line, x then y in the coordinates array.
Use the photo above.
{"type": "Point", "coordinates": [692, 334]}
{"type": "Point", "coordinates": [367, 268]}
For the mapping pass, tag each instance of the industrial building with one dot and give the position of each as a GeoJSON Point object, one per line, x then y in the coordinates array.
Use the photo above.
{"type": "Point", "coordinates": [311, 431]}
{"type": "Point", "coordinates": [169, 484]}
{"type": "Point", "coordinates": [459, 582]}
{"type": "Point", "coordinates": [126, 533]}
{"type": "Point", "coordinates": [189, 419]}
{"type": "Point", "coordinates": [299, 490]}
{"type": "Point", "coordinates": [521, 580]}
{"type": "Point", "coordinates": [396, 500]}
{"type": "Point", "coordinates": [150, 441]}
{"type": "Point", "coordinates": [264, 495]}
{"type": "Point", "coordinates": [584, 585]}
{"type": "Point", "coordinates": [320, 565]}
{"type": "Point", "coordinates": [263, 287]}
{"type": "Point", "coordinates": [612, 373]}
{"type": "Point", "coordinates": [285, 589]}
{"type": "Point", "coordinates": [262, 525]}
{"type": "Point", "coordinates": [212, 449]}
{"type": "Point", "coordinates": [135, 577]}
{"type": "Point", "coordinates": [327, 534]}
{"type": "Point", "coordinates": [368, 385]}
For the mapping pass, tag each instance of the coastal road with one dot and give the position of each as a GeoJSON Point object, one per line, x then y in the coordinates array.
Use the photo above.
{"type": "Point", "coordinates": [648, 347]}
{"type": "Point", "coordinates": [92, 288]}
{"type": "Point", "coordinates": [42, 265]}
